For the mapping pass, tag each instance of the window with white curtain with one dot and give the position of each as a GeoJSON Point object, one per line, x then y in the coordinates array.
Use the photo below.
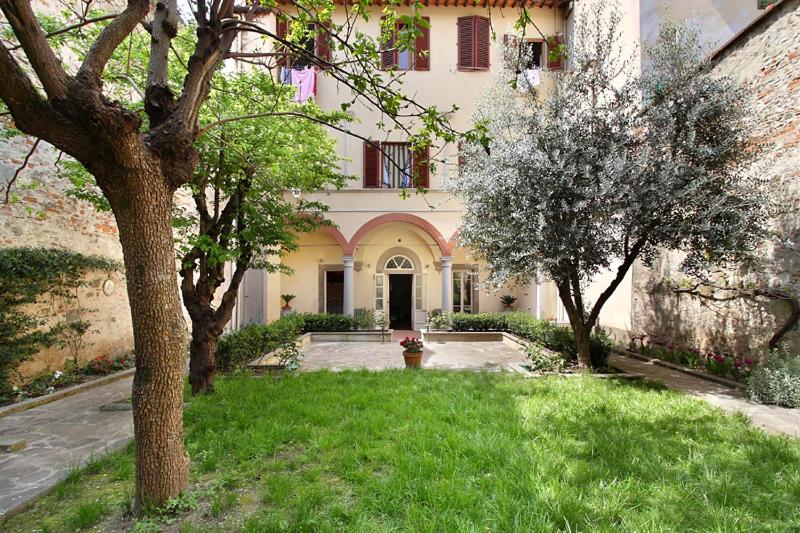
{"type": "Point", "coordinates": [397, 162]}
{"type": "Point", "coordinates": [463, 282]}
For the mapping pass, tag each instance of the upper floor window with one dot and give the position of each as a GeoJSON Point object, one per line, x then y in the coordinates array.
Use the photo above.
{"type": "Point", "coordinates": [393, 165]}
{"type": "Point", "coordinates": [555, 52]}
{"type": "Point", "coordinates": [474, 33]}
{"type": "Point", "coordinates": [532, 54]}
{"type": "Point", "coordinates": [414, 58]}
{"type": "Point", "coordinates": [315, 49]}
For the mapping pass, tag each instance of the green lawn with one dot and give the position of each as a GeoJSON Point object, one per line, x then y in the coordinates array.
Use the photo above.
{"type": "Point", "coordinates": [452, 451]}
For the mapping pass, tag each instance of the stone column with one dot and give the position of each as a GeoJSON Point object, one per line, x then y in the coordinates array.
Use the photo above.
{"type": "Point", "coordinates": [447, 284]}
{"type": "Point", "coordinates": [349, 291]}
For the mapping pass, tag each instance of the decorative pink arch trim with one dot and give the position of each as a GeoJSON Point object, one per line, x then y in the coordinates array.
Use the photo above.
{"type": "Point", "coordinates": [444, 247]}
{"type": "Point", "coordinates": [336, 234]}
{"type": "Point", "coordinates": [454, 239]}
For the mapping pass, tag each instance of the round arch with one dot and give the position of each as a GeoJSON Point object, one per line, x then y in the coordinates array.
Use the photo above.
{"type": "Point", "coordinates": [444, 246]}
{"type": "Point", "coordinates": [337, 236]}
{"type": "Point", "coordinates": [380, 266]}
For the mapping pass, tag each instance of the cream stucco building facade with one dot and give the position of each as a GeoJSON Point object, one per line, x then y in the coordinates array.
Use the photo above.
{"type": "Point", "coordinates": [402, 254]}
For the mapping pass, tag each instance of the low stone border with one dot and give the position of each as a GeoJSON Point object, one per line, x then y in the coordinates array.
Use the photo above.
{"type": "Point", "coordinates": [63, 393]}
{"type": "Point", "coordinates": [475, 336]}
{"type": "Point", "coordinates": [692, 372]}
{"type": "Point", "coordinates": [519, 368]}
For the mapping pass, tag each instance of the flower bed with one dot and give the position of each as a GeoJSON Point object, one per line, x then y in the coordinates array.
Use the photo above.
{"type": "Point", "coordinates": [726, 365]}
{"type": "Point", "coordinates": [52, 381]}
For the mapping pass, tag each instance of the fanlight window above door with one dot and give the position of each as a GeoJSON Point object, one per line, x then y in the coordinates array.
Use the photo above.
{"type": "Point", "coordinates": [399, 262]}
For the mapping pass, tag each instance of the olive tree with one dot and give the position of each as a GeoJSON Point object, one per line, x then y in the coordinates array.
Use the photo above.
{"type": "Point", "coordinates": [610, 167]}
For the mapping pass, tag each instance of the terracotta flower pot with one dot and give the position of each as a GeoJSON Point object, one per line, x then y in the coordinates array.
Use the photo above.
{"type": "Point", "coordinates": [413, 359]}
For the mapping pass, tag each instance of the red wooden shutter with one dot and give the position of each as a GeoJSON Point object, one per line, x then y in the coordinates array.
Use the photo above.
{"type": "Point", "coordinates": [388, 55]}
{"type": "Point", "coordinates": [554, 42]}
{"type": "Point", "coordinates": [281, 29]}
{"type": "Point", "coordinates": [372, 165]}
{"type": "Point", "coordinates": [483, 30]}
{"type": "Point", "coordinates": [466, 48]}
{"type": "Point", "coordinates": [422, 61]}
{"type": "Point", "coordinates": [323, 46]}
{"type": "Point", "coordinates": [422, 168]}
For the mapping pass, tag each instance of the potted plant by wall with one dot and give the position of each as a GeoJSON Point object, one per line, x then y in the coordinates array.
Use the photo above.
{"type": "Point", "coordinates": [287, 303]}
{"type": "Point", "coordinates": [412, 351]}
{"type": "Point", "coordinates": [508, 302]}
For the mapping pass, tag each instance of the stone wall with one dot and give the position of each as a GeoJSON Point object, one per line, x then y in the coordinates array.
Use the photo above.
{"type": "Point", "coordinates": [44, 216]}
{"type": "Point", "coordinates": [767, 56]}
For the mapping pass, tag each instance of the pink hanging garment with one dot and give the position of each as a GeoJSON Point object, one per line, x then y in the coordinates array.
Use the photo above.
{"type": "Point", "coordinates": [305, 80]}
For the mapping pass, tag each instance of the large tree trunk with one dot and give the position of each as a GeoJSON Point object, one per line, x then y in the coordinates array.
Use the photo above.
{"type": "Point", "coordinates": [203, 357]}
{"type": "Point", "coordinates": [143, 210]}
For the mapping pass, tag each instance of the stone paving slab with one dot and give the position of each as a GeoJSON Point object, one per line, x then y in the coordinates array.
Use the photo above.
{"type": "Point", "coordinates": [336, 356]}
{"type": "Point", "coordinates": [60, 435]}
{"type": "Point", "coordinates": [773, 419]}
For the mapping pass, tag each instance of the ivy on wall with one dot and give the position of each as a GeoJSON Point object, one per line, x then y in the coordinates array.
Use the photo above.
{"type": "Point", "coordinates": [30, 276]}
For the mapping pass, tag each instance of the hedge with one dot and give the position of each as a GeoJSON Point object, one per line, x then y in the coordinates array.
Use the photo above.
{"type": "Point", "coordinates": [238, 348]}
{"type": "Point", "coordinates": [549, 335]}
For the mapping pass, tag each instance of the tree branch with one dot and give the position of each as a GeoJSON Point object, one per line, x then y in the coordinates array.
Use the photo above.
{"type": "Point", "coordinates": [31, 113]}
{"type": "Point", "coordinates": [751, 294]}
{"type": "Point", "coordinates": [71, 27]}
{"type": "Point", "coordinates": [34, 42]}
{"type": "Point", "coordinates": [110, 38]}
{"type": "Point", "coordinates": [159, 100]}
{"type": "Point", "coordinates": [20, 168]}
{"type": "Point", "coordinates": [621, 272]}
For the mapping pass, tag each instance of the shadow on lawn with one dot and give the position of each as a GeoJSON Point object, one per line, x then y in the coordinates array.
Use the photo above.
{"type": "Point", "coordinates": [670, 452]}
{"type": "Point", "coordinates": [445, 451]}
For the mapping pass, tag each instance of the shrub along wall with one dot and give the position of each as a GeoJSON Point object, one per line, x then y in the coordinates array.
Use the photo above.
{"type": "Point", "coordinates": [53, 309]}
{"type": "Point", "coordinates": [238, 348]}
{"type": "Point", "coordinates": [551, 336]}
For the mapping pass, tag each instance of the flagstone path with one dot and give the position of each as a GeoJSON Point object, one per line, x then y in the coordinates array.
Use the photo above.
{"type": "Point", "coordinates": [60, 436]}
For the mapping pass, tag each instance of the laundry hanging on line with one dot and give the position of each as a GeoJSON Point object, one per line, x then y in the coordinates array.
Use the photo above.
{"type": "Point", "coordinates": [304, 80]}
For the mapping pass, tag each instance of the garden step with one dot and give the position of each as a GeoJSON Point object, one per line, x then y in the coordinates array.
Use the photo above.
{"type": "Point", "coordinates": [13, 445]}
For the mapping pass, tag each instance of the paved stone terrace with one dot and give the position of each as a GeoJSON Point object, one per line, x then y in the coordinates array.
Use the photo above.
{"type": "Point", "coordinates": [61, 435]}
{"type": "Point", "coordinates": [491, 356]}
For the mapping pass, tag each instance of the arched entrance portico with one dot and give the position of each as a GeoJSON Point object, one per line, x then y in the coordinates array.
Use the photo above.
{"type": "Point", "coordinates": [400, 288]}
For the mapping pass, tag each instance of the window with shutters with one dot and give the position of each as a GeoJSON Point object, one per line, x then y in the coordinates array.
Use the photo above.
{"type": "Point", "coordinates": [555, 52]}
{"type": "Point", "coordinates": [474, 34]}
{"type": "Point", "coordinates": [313, 49]}
{"type": "Point", "coordinates": [416, 57]}
{"type": "Point", "coordinates": [394, 165]}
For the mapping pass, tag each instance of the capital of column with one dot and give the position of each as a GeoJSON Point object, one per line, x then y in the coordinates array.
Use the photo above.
{"type": "Point", "coordinates": [348, 260]}
{"type": "Point", "coordinates": [447, 261]}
